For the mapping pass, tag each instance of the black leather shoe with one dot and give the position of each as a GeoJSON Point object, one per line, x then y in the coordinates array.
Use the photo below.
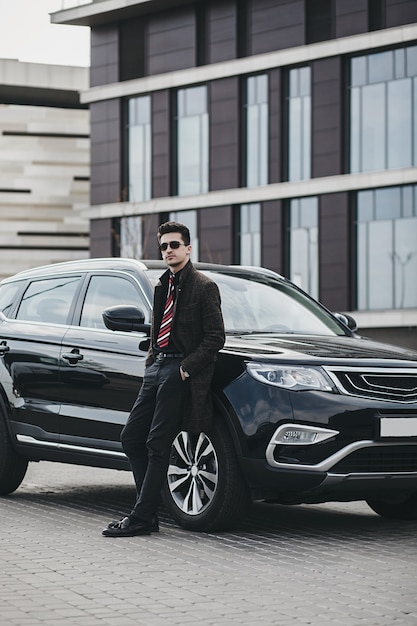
{"type": "Point", "coordinates": [155, 524]}
{"type": "Point", "coordinates": [125, 528]}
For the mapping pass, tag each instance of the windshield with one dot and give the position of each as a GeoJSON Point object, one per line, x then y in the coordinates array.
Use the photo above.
{"type": "Point", "coordinates": [260, 303]}
{"type": "Point", "coordinates": [264, 304]}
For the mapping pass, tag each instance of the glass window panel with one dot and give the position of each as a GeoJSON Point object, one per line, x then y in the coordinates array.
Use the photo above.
{"type": "Point", "coordinates": [131, 237]}
{"type": "Point", "coordinates": [304, 244]}
{"type": "Point", "coordinates": [407, 201]}
{"type": "Point", "coordinates": [411, 60]}
{"type": "Point", "coordinates": [365, 206]}
{"type": "Point", "coordinates": [181, 102]}
{"type": "Point", "coordinates": [294, 89]}
{"type": "Point", "coordinates": [299, 125]}
{"type": "Point", "coordinates": [414, 128]}
{"type": "Point", "coordinates": [381, 67]}
{"type": "Point", "coordinates": [139, 149]}
{"type": "Point", "coordinates": [380, 284]}
{"type": "Point", "coordinates": [383, 116]}
{"type": "Point", "coordinates": [250, 234]}
{"type": "Point", "coordinates": [261, 89]}
{"type": "Point", "coordinates": [387, 249]}
{"type": "Point", "coordinates": [405, 263]}
{"type": "Point", "coordinates": [358, 71]}
{"type": "Point", "coordinates": [250, 93]}
{"type": "Point", "coordinates": [306, 149]}
{"type": "Point", "coordinates": [257, 131]}
{"type": "Point", "coordinates": [308, 212]}
{"type": "Point", "coordinates": [192, 147]}
{"type": "Point", "coordinates": [305, 81]}
{"type": "Point", "coordinates": [295, 139]}
{"type": "Point", "coordinates": [189, 218]}
{"type": "Point", "coordinates": [196, 101]}
{"type": "Point", "coordinates": [373, 128]}
{"type": "Point", "coordinates": [355, 131]}
{"type": "Point", "coordinates": [399, 61]}
{"type": "Point", "coordinates": [400, 138]}
{"type": "Point", "coordinates": [363, 266]}
{"type": "Point", "coordinates": [388, 203]}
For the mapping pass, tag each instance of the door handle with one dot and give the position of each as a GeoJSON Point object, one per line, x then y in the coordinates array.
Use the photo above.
{"type": "Point", "coordinates": [4, 348]}
{"type": "Point", "coordinates": [73, 357]}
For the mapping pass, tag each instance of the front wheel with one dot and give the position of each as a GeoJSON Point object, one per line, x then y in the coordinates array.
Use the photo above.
{"type": "Point", "coordinates": [396, 508]}
{"type": "Point", "coordinates": [12, 466]}
{"type": "Point", "coordinates": [204, 490]}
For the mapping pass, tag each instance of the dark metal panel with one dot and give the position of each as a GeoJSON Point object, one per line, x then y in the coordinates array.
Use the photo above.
{"type": "Point", "coordinates": [399, 12]}
{"type": "Point", "coordinates": [150, 225]}
{"type": "Point", "coordinates": [334, 248]}
{"type": "Point", "coordinates": [215, 234]}
{"type": "Point", "coordinates": [272, 225]}
{"type": "Point", "coordinates": [104, 55]}
{"type": "Point", "coordinates": [161, 144]}
{"type": "Point", "coordinates": [327, 99]}
{"type": "Point", "coordinates": [222, 31]}
{"type": "Point", "coordinates": [106, 152]}
{"type": "Point", "coordinates": [224, 133]}
{"type": "Point", "coordinates": [275, 25]}
{"type": "Point", "coordinates": [351, 17]}
{"type": "Point", "coordinates": [101, 238]}
{"type": "Point", "coordinates": [275, 126]}
{"type": "Point", "coordinates": [171, 41]}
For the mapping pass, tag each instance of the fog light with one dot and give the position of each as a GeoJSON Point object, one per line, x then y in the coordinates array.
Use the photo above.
{"type": "Point", "coordinates": [298, 436]}
{"type": "Point", "coordinates": [294, 434]}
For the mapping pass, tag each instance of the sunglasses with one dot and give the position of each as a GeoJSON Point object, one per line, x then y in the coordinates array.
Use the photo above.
{"type": "Point", "coordinates": [174, 245]}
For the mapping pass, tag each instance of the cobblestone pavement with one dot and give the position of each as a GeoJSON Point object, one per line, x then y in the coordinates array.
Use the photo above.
{"type": "Point", "coordinates": [283, 566]}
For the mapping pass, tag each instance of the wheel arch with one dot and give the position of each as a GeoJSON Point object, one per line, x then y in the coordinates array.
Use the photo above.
{"type": "Point", "coordinates": [222, 413]}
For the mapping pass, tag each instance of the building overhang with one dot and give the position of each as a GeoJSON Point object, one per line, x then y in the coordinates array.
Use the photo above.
{"type": "Point", "coordinates": [104, 11]}
{"type": "Point", "coordinates": [249, 195]}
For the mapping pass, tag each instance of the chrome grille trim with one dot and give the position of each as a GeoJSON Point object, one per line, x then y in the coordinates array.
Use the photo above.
{"type": "Point", "coordinates": [344, 380]}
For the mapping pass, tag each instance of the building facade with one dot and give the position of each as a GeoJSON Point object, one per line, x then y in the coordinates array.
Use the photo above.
{"type": "Point", "coordinates": [283, 132]}
{"type": "Point", "coordinates": [44, 165]}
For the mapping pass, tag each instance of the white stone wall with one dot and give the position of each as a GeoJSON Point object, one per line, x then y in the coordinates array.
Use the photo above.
{"type": "Point", "coordinates": [43, 151]}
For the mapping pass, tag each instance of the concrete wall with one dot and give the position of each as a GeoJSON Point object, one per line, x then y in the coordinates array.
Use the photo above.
{"type": "Point", "coordinates": [44, 165]}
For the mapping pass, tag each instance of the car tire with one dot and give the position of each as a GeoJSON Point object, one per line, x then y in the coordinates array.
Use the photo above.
{"type": "Point", "coordinates": [204, 490]}
{"type": "Point", "coordinates": [12, 466]}
{"type": "Point", "coordinates": [405, 509]}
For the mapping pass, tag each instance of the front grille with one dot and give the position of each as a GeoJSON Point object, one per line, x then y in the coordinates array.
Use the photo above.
{"type": "Point", "coordinates": [393, 385]}
{"type": "Point", "coordinates": [378, 459]}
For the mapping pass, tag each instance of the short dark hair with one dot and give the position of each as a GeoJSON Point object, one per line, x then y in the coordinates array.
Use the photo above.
{"type": "Point", "coordinates": [175, 227]}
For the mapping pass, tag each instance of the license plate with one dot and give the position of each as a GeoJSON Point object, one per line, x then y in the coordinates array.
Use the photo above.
{"type": "Point", "coordinates": [398, 427]}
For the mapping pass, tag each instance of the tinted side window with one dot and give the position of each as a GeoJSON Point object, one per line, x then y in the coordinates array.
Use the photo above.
{"type": "Point", "coordinates": [48, 300]}
{"type": "Point", "coordinates": [7, 296]}
{"type": "Point", "coordinates": [105, 291]}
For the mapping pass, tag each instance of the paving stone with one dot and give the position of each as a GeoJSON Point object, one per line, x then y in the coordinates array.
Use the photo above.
{"type": "Point", "coordinates": [283, 566]}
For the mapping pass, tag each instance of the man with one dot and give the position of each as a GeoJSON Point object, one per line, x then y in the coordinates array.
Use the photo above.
{"type": "Point", "coordinates": [187, 333]}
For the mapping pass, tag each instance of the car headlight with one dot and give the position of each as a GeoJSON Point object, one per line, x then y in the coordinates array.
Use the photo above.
{"type": "Point", "coordinates": [290, 377]}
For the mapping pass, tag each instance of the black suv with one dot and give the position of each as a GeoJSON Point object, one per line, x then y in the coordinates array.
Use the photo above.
{"type": "Point", "coordinates": [306, 410]}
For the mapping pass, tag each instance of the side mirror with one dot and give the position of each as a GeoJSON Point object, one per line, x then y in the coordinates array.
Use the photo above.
{"type": "Point", "coordinates": [125, 317]}
{"type": "Point", "coordinates": [347, 320]}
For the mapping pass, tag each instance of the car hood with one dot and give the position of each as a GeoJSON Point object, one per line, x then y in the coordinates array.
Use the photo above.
{"type": "Point", "coordinates": [319, 349]}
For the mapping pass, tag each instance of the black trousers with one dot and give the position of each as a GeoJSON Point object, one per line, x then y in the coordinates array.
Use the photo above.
{"type": "Point", "coordinates": [153, 423]}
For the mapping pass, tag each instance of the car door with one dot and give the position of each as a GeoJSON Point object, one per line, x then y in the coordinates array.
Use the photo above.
{"type": "Point", "coordinates": [101, 370]}
{"type": "Point", "coordinates": [30, 346]}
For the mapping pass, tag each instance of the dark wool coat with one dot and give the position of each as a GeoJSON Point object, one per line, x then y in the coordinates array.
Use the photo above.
{"type": "Point", "coordinates": [198, 333]}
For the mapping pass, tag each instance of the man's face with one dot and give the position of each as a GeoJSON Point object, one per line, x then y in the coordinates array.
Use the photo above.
{"type": "Point", "coordinates": [175, 258]}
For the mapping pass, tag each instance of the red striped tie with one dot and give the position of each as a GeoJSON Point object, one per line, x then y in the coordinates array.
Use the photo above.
{"type": "Point", "coordinates": [166, 324]}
